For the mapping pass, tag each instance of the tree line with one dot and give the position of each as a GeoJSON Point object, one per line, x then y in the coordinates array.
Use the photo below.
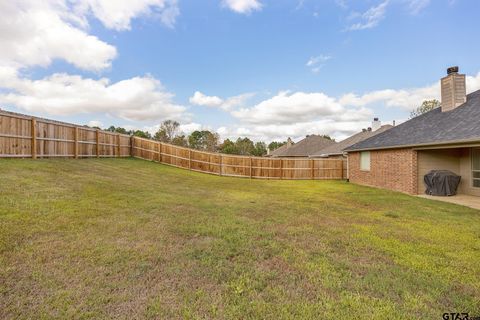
{"type": "Point", "coordinates": [204, 140]}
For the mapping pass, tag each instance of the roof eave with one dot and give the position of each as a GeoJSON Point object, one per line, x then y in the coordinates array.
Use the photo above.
{"type": "Point", "coordinates": [415, 145]}
{"type": "Point", "coordinates": [326, 155]}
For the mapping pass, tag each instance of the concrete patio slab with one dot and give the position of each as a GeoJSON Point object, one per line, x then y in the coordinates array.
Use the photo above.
{"type": "Point", "coordinates": [461, 199]}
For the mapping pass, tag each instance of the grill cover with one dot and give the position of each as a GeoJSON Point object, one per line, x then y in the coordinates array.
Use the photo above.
{"type": "Point", "coordinates": [441, 183]}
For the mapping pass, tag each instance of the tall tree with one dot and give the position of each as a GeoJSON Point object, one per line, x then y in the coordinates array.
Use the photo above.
{"type": "Point", "coordinates": [167, 132]}
{"type": "Point", "coordinates": [142, 134]}
{"type": "Point", "coordinates": [212, 141]}
{"type": "Point", "coordinates": [203, 140]}
{"type": "Point", "coordinates": [118, 130]}
{"type": "Point", "coordinates": [275, 145]}
{"type": "Point", "coordinates": [260, 149]}
{"type": "Point", "coordinates": [228, 147]}
{"type": "Point", "coordinates": [161, 136]}
{"type": "Point", "coordinates": [244, 146]}
{"type": "Point", "coordinates": [426, 106]}
{"type": "Point", "coordinates": [121, 130]}
{"type": "Point", "coordinates": [180, 140]}
{"type": "Point", "coordinates": [195, 139]}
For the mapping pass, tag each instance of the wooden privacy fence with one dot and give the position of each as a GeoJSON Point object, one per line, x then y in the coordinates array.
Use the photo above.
{"type": "Point", "coordinates": [239, 166]}
{"type": "Point", "coordinates": [22, 136]}
{"type": "Point", "coordinates": [29, 137]}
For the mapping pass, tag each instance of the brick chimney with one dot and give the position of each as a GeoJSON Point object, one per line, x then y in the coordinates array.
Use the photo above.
{"type": "Point", "coordinates": [376, 124]}
{"type": "Point", "coordinates": [454, 92]}
{"type": "Point", "coordinates": [289, 142]}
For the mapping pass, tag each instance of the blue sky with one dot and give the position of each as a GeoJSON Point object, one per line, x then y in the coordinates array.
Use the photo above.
{"type": "Point", "coordinates": [259, 68]}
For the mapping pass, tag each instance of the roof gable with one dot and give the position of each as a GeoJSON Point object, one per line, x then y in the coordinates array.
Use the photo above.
{"type": "Point", "coordinates": [279, 150]}
{"type": "Point", "coordinates": [304, 147]}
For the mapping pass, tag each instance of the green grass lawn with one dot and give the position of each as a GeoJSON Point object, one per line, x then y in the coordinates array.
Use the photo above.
{"type": "Point", "coordinates": [108, 238]}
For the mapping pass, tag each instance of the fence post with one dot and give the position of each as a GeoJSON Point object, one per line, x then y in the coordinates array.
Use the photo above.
{"type": "Point", "coordinates": [132, 151]}
{"type": "Point", "coordinates": [161, 158]}
{"type": "Point", "coordinates": [34, 139]}
{"type": "Point", "coordinates": [281, 169]}
{"type": "Point", "coordinates": [251, 169]}
{"type": "Point", "coordinates": [118, 145]}
{"type": "Point", "coordinates": [159, 152]}
{"type": "Point", "coordinates": [189, 159]}
{"type": "Point", "coordinates": [221, 164]}
{"type": "Point", "coordinates": [312, 164]}
{"type": "Point", "coordinates": [97, 138]}
{"type": "Point", "coordinates": [210, 163]}
{"type": "Point", "coordinates": [75, 145]}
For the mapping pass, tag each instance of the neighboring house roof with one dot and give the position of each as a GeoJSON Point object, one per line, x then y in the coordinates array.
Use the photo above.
{"type": "Point", "coordinates": [337, 148]}
{"type": "Point", "coordinates": [303, 148]}
{"type": "Point", "coordinates": [278, 151]}
{"type": "Point", "coordinates": [435, 127]}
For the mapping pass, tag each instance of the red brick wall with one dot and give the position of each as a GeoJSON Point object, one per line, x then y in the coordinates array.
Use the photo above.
{"type": "Point", "coordinates": [389, 169]}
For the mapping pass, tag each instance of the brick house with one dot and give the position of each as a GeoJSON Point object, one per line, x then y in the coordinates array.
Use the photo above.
{"type": "Point", "coordinates": [445, 138]}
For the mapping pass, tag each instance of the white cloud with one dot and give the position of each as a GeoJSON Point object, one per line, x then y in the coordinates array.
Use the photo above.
{"type": "Point", "coordinates": [118, 15]}
{"type": "Point", "coordinates": [298, 114]}
{"type": "Point", "coordinates": [287, 108]}
{"type": "Point", "coordinates": [370, 18]}
{"type": "Point", "coordinates": [403, 98]}
{"type": "Point", "coordinates": [473, 83]}
{"type": "Point", "coordinates": [34, 33]}
{"type": "Point", "coordinates": [236, 101]}
{"type": "Point", "coordinates": [243, 6]}
{"type": "Point", "coordinates": [318, 59]}
{"type": "Point", "coordinates": [316, 63]}
{"type": "Point", "coordinates": [193, 126]}
{"type": "Point", "coordinates": [288, 114]}
{"type": "Point", "coordinates": [95, 123]}
{"type": "Point", "coordinates": [296, 131]}
{"type": "Point", "coordinates": [201, 99]}
{"type": "Point", "coordinates": [407, 99]}
{"type": "Point", "coordinates": [138, 98]}
{"type": "Point", "coordinates": [415, 6]}
{"type": "Point", "coordinates": [184, 129]}
{"type": "Point", "coordinates": [342, 4]}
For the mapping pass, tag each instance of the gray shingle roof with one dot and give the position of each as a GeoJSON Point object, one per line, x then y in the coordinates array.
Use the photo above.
{"type": "Point", "coordinates": [303, 148]}
{"type": "Point", "coordinates": [278, 151]}
{"type": "Point", "coordinates": [432, 128]}
{"type": "Point", "coordinates": [337, 148]}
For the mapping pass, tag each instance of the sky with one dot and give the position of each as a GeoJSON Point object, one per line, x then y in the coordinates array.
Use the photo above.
{"type": "Point", "coordinates": [264, 69]}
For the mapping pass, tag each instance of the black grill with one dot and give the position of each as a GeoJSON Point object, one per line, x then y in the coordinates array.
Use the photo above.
{"type": "Point", "coordinates": [441, 183]}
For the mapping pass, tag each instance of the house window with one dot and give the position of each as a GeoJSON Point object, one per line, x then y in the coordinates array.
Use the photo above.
{"type": "Point", "coordinates": [476, 167]}
{"type": "Point", "coordinates": [365, 161]}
